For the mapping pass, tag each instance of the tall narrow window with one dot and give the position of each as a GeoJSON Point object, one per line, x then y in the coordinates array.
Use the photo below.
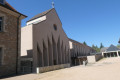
{"type": "Point", "coordinates": [0, 56]}
{"type": "Point", "coordinates": [55, 27]}
{"type": "Point", "coordinates": [1, 23]}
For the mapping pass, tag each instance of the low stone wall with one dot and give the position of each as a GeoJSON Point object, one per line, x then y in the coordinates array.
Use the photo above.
{"type": "Point", "coordinates": [94, 58]}
{"type": "Point", "coordinates": [98, 57]}
{"type": "Point", "coordinates": [51, 68]}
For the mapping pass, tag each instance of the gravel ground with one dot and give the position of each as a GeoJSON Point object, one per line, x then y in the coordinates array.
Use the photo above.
{"type": "Point", "coordinates": [105, 69]}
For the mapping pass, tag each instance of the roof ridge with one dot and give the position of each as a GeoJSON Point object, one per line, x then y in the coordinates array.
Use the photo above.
{"type": "Point", "coordinates": [41, 14]}
{"type": "Point", "coordinates": [112, 47]}
{"type": "Point", "coordinates": [80, 43]}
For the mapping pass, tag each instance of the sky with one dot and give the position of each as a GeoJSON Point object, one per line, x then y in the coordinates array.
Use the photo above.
{"type": "Point", "coordinates": [92, 21]}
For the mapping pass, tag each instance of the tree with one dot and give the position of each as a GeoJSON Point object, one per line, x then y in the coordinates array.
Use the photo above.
{"type": "Point", "coordinates": [96, 48]}
{"type": "Point", "coordinates": [93, 46]}
{"type": "Point", "coordinates": [118, 46]}
{"type": "Point", "coordinates": [84, 43]}
{"type": "Point", "coordinates": [101, 45]}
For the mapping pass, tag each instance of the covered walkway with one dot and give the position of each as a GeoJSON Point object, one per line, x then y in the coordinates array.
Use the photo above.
{"type": "Point", "coordinates": [111, 54]}
{"type": "Point", "coordinates": [78, 60]}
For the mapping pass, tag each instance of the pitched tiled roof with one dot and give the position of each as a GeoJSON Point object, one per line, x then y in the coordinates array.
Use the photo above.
{"type": "Point", "coordinates": [8, 6]}
{"type": "Point", "coordinates": [112, 48]}
{"type": "Point", "coordinates": [104, 49]}
{"type": "Point", "coordinates": [40, 15]}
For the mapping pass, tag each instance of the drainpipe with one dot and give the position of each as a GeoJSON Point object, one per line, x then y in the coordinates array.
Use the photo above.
{"type": "Point", "coordinates": [17, 61]}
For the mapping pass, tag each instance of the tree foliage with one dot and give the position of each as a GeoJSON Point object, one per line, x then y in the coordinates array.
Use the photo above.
{"type": "Point", "coordinates": [84, 43]}
{"type": "Point", "coordinates": [101, 45]}
{"type": "Point", "coordinates": [97, 48]}
{"type": "Point", "coordinates": [118, 46]}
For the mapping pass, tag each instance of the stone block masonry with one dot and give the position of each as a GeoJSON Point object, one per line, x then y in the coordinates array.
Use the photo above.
{"type": "Point", "coordinates": [8, 41]}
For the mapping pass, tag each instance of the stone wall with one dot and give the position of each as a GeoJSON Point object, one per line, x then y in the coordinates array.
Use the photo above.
{"type": "Point", "coordinates": [98, 57]}
{"type": "Point", "coordinates": [8, 39]}
{"type": "Point", "coordinates": [51, 68]}
{"type": "Point", "coordinates": [94, 58]}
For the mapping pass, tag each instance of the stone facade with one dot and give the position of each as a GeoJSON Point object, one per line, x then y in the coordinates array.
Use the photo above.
{"type": "Point", "coordinates": [10, 41]}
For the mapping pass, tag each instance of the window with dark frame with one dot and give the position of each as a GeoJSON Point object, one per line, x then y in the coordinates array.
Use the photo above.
{"type": "Point", "coordinates": [1, 23]}
{"type": "Point", "coordinates": [0, 56]}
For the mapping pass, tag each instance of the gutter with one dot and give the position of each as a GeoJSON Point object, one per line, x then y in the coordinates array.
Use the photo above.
{"type": "Point", "coordinates": [17, 56]}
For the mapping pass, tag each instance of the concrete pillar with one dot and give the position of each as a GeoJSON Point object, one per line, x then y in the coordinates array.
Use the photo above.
{"type": "Point", "coordinates": [61, 54]}
{"type": "Point", "coordinates": [55, 53]}
{"type": "Point", "coordinates": [50, 52]}
{"type": "Point", "coordinates": [45, 55]}
{"type": "Point", "coordinates": [103, 54]}
{"type": "Point", "coordinates": [40, 59]}
{"type": "Point", "coordinates": [117, 54]}
{"type": "Point", "coordinates": [64, 56]}
{"type": "Point", "coordinates": [59, 51]}
{"type": "Point", "coordinates": [48, 58]}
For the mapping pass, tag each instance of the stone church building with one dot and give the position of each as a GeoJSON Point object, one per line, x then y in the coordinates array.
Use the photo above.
{"type": "Point", "coordinates": [10, 25]}
{"type": "Point", "coordinates": [44, 44]}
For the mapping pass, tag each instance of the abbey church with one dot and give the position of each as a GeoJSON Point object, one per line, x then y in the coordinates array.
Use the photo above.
{"type": "Point", "coordinates": [40, 46]}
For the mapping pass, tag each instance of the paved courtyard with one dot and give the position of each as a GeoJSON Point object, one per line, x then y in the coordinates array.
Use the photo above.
{"type": "Point", "coordinates": [105, 69]}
